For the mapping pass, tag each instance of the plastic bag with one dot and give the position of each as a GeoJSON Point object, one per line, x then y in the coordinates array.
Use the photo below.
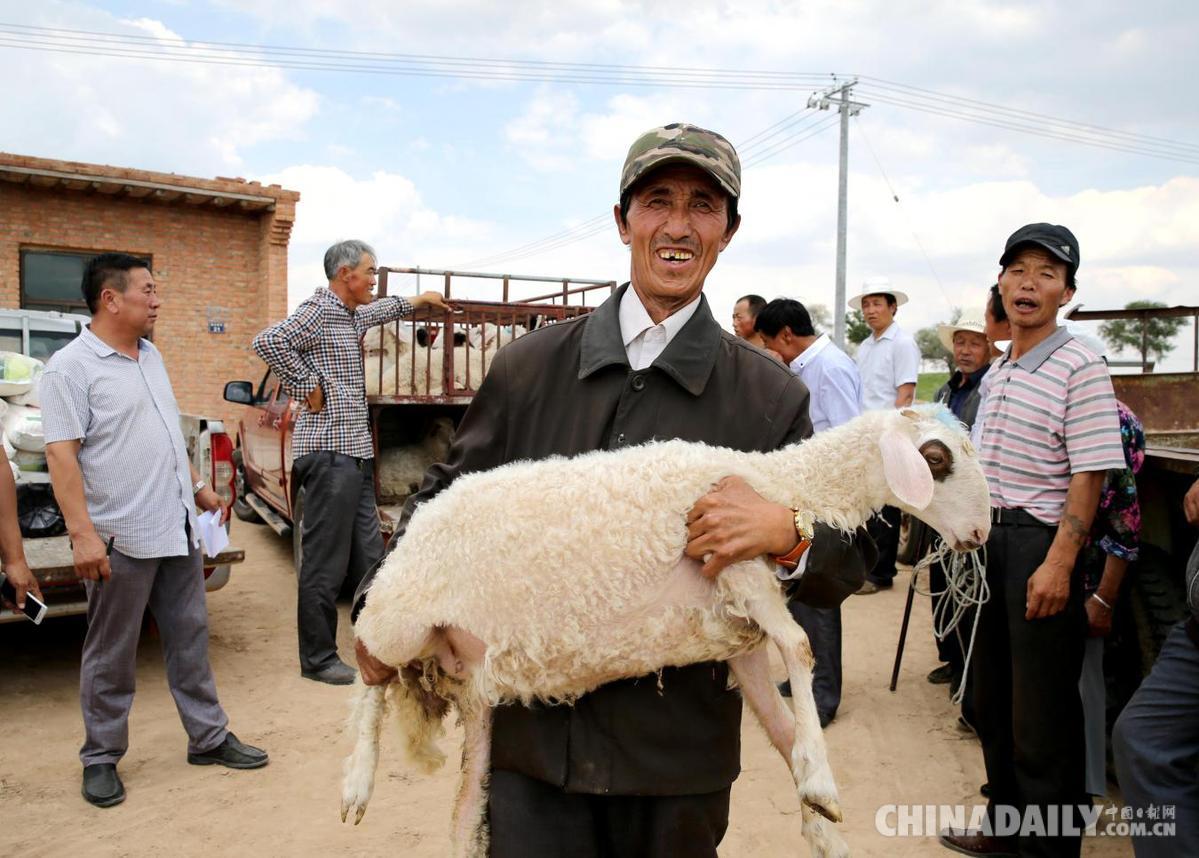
{"type": "Point", "coordinates": [38, 512]}
{"type": "Point", "coordinates": [18, 373]}
{"type": "Point", "coordinates": [23, 428]}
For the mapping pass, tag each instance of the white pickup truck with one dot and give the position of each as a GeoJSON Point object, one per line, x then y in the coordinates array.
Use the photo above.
{"type": "Point", "coordinates": [39, 334]}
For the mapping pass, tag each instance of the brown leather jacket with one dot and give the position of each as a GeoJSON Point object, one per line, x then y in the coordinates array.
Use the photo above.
{"type": "Point", "coordinates": [568, 389]}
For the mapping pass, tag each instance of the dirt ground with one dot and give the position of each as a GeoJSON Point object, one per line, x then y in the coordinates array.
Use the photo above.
{"type": "Point", "coordinates": [885, 748]}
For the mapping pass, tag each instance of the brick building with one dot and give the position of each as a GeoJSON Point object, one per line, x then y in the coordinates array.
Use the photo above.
{"type": "Point", "coordinates": [218, 248]}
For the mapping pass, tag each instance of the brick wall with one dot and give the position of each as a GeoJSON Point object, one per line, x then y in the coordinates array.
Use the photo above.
{"type": "Point", "coordinates": [203, 256]}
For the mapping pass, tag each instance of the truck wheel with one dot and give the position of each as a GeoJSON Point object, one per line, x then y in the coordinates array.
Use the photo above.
{"type": "Point", "coordinates": [241, 509]}
{"type": "Point", "coordinates": [297, 529]}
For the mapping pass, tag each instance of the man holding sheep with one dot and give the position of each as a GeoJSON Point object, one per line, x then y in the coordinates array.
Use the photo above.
{"type": "Point", "coordinates": [642, 766]}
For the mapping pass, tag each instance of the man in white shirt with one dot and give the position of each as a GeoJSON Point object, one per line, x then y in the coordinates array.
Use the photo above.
{"type": "Point", "coordinates": [889, 362]}
{"type": "Point", "coordinates": [836, 390]}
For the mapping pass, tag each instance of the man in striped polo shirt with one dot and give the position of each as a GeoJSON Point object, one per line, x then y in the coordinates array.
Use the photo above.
{"type": "Point", "coordinates": [1051, 433]}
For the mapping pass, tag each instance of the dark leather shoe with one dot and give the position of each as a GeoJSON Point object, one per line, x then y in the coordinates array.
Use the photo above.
{"type": "Point", "coordinates": [232, 753]}
{"type": "Point", "coordinates": [941, 675]}
{"type": "Point", "coordinates": [101, 786]}
{"type": "Point", "coordinates": [338, 673]}
{"type": "Point", "coordinates": [826, 718]}
{"type": "Point", "coordinates": [985, 790]}
{"type": "Point", "coordinates": [968, 841]}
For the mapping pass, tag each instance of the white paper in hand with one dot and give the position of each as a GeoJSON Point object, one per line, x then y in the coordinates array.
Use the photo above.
{"type": "Point", "coordinates": [212, 534]}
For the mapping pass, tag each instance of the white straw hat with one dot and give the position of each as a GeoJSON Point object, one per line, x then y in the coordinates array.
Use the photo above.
{"type": "Point", "coordinates": [972, 320]}
{"type": "Point", "coordinates": [876, 286]}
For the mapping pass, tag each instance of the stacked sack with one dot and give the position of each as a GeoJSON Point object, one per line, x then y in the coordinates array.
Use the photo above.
{"type": "Point", "coordinates": [24, 441]}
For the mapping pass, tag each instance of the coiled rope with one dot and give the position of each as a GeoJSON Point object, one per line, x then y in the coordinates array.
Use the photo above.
{"type": "Point", "coordinates": [965, 589]}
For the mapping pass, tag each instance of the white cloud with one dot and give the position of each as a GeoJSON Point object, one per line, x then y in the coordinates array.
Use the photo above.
{"type": "Point", "coordinates": [154, 114]}
{"type": "Point", "coordinates": [384, 210]}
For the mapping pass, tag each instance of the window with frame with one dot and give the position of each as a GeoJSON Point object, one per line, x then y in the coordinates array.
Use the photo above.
{"type": "Point", "coordinates": [53, 280]}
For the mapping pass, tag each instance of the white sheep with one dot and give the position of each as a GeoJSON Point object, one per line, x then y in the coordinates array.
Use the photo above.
{"type": "Point", "coordinates": [402, 468]}
{"type": "Point", "coordinates": [488, 592]}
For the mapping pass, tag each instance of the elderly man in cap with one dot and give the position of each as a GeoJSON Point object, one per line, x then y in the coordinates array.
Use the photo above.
{"type": "Point", "coordinates": [967, 341]}
{"type": "Point", "coordinates": [1051, 434]}
{"type": "Point", "coordinates": [644, 766]}
{"type": "Point", "coordinates": [889, 362]}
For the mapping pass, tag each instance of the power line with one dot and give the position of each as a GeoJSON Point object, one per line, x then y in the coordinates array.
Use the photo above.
{"type": "Point", "coordinates": [807, 126]}
{"type": "Point", "coordinates": [932, 95]}
{"type": "Point", "coordinates": [130, 46]}
{"type": "Point", "coordinates": [1049, 132]}
{"type": "Point", "coordinates": [907, 220]}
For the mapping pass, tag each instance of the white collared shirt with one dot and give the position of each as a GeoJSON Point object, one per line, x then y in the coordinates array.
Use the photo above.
{"type": "Point", "coordinates": [886, 362]}
{"type": "Point", "coordinates": [643, 340]}
{"type": "Point", "coordinates": [832, 380]}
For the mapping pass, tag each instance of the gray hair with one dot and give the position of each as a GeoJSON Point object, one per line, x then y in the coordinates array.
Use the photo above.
{"type": "Point", "coordinates": [348, 253]}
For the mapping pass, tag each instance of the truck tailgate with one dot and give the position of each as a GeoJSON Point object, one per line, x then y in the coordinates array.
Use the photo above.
{"type": "Point", "coordinates": [51, 560]}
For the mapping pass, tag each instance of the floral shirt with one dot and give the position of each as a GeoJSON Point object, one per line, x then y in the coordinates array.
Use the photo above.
{"type": "Point", "coordinates": [1117, 526]}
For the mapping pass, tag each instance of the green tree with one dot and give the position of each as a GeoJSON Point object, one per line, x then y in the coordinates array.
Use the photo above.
{"type": "Point", "coordinates": [929, 341]}
{"type": "Point", "coordinates": [1147, 336]}
{"type": "Point", "coordinates": [856, 329]}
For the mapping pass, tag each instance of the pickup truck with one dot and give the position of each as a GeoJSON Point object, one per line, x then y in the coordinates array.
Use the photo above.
{"type": "Point", "coordinates": [440, 383]}
{"type": "Point", "coordinates": [39, 334]}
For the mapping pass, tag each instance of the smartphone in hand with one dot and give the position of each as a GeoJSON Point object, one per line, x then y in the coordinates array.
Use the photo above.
{"type": "Point", "coordinates": [35, 609]}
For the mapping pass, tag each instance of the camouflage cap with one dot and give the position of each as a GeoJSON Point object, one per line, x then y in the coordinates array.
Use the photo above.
{"type": "Point", "coordinates": [679, 142]}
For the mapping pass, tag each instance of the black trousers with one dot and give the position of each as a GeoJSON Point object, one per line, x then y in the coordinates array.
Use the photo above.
{"type": "Point", "coordinates": [952, 649]}
{"type": "Point", "coordinates": [884, 530]}
{"type": "Point", "coordinates": [529, 817]}
{"type": "Point", "coordinates": [340, 541]}
{"type": "Point", "coordinates": [1025, 682]}
{"type": "Point", "coordinates": [823, 628]}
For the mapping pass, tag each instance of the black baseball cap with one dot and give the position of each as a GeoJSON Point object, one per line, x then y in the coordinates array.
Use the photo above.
{"type": "Point", "coordinates": [1056, 239]}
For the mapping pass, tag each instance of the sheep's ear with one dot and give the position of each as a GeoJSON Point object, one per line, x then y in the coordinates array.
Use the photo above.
{"type": "Point", "coordinates": [906, 471]}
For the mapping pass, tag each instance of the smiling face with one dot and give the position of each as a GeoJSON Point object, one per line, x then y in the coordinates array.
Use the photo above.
{"type": "Point", "coordinates": [359, 281]}
{"type": "Point", "coordinates": [1033, 286]}
{"type": "Point", "coordinates": [970, 351]}
{"type": "Point", "coordinates": [677, 226]}
{"type": "Point", "coordinates": [879, 312]}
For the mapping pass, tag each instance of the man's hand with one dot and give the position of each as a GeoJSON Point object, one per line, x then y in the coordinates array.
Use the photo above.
{"type": "Point", "coordinates": [1048, 590]}
{"type": "Point", "coordinates": [732, 523]}
{"type": "Point", "coordinates": [430, 299]}
{"type": "Point", "coordinates": [23, 582]}
{"type": "Point", "coordinates": [91, 556]}
{"type": "Point", "coordinates": [208, 500]}
{"type": "Point", "coordinates": [316, 399]}
{"type": "Point", "coordinates": [374, 672]}
{"type": "Point", "coordinates": [1099, 619]}
{"type": "Point", "coordinates": [1190, 504]}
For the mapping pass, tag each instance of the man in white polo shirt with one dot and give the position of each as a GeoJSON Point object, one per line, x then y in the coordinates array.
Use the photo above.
{"type": "Point", "coordinates": [832, 380]}
{"type": "Point", "coordinates": [129, 494]}
{"type": "Point", "coordinates": [889, 362]}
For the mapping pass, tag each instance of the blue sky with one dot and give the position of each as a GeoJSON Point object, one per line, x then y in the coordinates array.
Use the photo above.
{"type": "Point", "coordinates": [440, 172]}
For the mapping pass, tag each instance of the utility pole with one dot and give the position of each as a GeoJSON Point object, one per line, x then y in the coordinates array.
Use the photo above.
{"type": "Point", "coordinates": [847, 109]}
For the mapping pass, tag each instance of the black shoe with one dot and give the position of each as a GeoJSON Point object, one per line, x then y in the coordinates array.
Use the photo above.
{"type": "Point", "coordinates": [826, 718]}
{"type": "Point", "coordinates": [985, 790]}
{"type": "Point", "coordinates": [785, 688]}
{"type": "Point", "coordinates": [232, 753]}
{"type": "Point", "coordinates": [941, 675]}
{"type": "Point", "coordinates": [101, 785]}
{"type": "Point", "coordinates": [338, 673]}
{"type": "Point", "coordinates": [973, 842]}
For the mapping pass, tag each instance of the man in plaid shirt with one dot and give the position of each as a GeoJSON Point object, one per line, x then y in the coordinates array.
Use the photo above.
{"type": "Point", "coordinates": [316, 354]}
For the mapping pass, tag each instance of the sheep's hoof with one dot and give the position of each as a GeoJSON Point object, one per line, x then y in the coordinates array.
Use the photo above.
{"type": "Point", "coordinates": [829, 808]}
{"type": "Point", "coordinates": [359, 811]}
{"type": "Point", "coordinates": [819, 792]}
